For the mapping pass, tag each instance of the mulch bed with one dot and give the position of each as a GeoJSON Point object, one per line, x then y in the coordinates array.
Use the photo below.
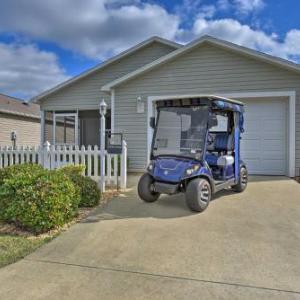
{"type": "Point", "coordinates": [83, 212]}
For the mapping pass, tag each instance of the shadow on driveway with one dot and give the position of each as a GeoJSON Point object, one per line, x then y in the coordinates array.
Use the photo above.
{"type": "Point", "coordinates": [128, 205]}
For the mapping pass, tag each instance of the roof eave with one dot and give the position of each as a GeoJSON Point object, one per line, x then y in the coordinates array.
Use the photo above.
{"type": "Point", "coordinates": [19, 114]}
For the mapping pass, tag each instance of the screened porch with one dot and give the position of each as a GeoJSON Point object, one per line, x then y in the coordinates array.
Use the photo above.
{"type": "Point", "coordinates": [71, 128]}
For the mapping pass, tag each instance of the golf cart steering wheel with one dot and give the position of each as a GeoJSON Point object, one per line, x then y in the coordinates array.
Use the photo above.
{"type": "Point", "coordinates": [210, 139]}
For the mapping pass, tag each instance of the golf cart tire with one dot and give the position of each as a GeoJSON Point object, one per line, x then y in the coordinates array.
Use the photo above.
{"type": "Point", "coordinates": [198, 194]}
{"type": "Point", "coordinates": [243, 180]}
{"type": "Point", "coordinates": [144, 189]}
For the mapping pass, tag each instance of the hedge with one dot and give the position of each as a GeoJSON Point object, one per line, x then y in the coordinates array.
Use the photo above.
{"type": "Point", "coordinates": [37, 199]}
{"type": "Point", "coordinates": [88, 189]}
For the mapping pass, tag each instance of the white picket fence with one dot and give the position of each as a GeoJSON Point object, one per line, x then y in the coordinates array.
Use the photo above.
{"type": "Point", "coordinates": [53, 157]}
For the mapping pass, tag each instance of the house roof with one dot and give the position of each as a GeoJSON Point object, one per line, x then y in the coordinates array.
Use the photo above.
{"type": "Point", "coordinates": [18, 107]}
{"type": "Point", "coordinates": [106, 63]}
{"type": "Point", "coordinates": [205, 40]}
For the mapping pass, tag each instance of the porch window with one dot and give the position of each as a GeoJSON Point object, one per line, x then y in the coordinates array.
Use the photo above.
{"type": "Point", "coordinates": [73, 128]}
{"type": "Point", "coordinates": [65, 129]}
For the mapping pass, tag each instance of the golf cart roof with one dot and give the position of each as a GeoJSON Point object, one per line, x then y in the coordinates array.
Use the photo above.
{"type": "Point", "coordinates": [217, 102]}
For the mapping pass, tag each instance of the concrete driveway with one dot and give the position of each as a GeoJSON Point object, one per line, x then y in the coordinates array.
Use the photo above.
{"type": "Point", "coordinates": [245, 246]}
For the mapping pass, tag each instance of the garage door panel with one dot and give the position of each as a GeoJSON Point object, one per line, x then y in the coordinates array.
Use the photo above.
{"type": "Point", "coordinates": [252, 126]}
{"type": "Point", "coordinates": [273, 126]}
{"type": "Point", "coordinates": [254, 155]}
{"type": "Point", "coordinates": [253, 165]}
{"type": "Point", "coordinates": [250, 145]}
{"type": "Point", "coordinates": [274, 165]}
{"type": "Point", "coordinates": [273, 145]}
{"type": "Point", "coordinates": [272, 155]}
{"type": "Point", "coordinates": [263, 144]}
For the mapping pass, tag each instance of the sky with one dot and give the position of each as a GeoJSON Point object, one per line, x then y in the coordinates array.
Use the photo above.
{"type": "Point", "coordinates": [43, 43]}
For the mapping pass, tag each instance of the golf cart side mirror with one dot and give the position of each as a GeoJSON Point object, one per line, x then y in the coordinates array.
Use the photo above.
{"type": "Point", "coordinates": [212, 121]}
{"type": "Point", "coordinates": [152, 122]}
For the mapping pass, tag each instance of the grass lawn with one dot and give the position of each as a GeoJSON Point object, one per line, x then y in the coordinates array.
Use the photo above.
{"type": "Point", "coordinates": [13, 248]}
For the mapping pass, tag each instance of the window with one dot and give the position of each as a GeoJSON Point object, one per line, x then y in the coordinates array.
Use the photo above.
{"type": "Point", "coordinates": [65, 130]}
{"type": "Point", "coordinates": [222, 124]}
{"type": "Point", "coordinates": [181, 131]}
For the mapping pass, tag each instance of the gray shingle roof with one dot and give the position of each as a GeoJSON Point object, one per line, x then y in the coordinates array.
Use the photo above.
{"type": "Point", "coordinates": [18, 107]}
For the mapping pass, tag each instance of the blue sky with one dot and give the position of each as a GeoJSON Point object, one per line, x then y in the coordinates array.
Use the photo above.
{"type": "Point", "coordinates": [43, 43]}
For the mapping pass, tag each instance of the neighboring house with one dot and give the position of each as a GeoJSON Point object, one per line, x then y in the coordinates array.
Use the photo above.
{"type": "Point", "coordinates": [133, 80]}
{"type": "Point", "coordinates": [22, 118]}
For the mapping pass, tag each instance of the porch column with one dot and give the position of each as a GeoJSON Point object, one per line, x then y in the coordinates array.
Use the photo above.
{"type": "Point", "coordinates": [102, 111]}
{"type": "Point", "coordinates": [42, 134]}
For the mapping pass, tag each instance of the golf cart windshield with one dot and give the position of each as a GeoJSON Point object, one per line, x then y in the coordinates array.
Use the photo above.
{"type": "Point", "coordinates": [180, 131]}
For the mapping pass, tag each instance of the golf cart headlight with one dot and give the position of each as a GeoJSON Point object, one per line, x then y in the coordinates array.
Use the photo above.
{"type": "Point", "coordinates": [191, 170]}
{"type": "Point", "coordinates": [150, 166]}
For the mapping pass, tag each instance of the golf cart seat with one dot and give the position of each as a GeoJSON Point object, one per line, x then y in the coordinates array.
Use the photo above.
{"type": "Point", "coordinates": [223, 142]}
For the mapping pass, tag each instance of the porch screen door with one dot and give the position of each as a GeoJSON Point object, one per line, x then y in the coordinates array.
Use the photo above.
{"type": "Point", "coordinates": [65, 129]}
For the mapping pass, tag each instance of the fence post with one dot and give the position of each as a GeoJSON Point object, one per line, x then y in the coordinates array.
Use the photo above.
{"type": "Point", "coordinates": [124, 165]}
{"type": "Point", "coordinates": [46, 155]}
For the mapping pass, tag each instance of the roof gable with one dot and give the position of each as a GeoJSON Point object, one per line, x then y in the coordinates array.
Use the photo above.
{"type": "Point", "coordinates": [203, 41]}
{"type": "Point", "coordinates": [107, 63]}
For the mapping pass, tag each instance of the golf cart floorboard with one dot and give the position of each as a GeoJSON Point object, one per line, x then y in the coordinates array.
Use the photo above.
{"type": "Point", "coordinates": [220, 185]}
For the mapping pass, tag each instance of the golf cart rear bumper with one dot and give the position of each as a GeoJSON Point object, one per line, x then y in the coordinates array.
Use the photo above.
{"type": "Point", "coordinates": [165, 188]}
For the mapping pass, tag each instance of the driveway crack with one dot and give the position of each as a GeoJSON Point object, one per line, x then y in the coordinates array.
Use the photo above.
{"type": "Point", "coordinates": [175, 277]}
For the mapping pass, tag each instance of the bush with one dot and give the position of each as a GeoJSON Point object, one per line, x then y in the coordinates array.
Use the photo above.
{"type": "Point", "coordinates": [37, 199]}
{"type": "Point", "coordinates": [26, 169]}
{"type": "Point", "coordinates": [88, 189]}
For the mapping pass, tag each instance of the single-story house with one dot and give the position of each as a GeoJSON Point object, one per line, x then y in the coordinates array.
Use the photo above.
{"type": "Point", "coordinates": [132, 81]}
{"type": "Point", "coordinates": [19, 122]}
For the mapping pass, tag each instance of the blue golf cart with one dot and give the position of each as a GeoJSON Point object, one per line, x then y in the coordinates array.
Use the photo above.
{"type": "Point", "coordinates": [195, 150]}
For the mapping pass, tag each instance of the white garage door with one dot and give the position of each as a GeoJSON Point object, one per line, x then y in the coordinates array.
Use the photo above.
{"type": "Point", "coordinates": [264, 142]}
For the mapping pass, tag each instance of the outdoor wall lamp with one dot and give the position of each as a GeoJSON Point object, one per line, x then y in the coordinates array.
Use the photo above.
{"type": "Point", "coordinates": [140, 105]}
{"type": "Point", "coordinates": [102, 108]}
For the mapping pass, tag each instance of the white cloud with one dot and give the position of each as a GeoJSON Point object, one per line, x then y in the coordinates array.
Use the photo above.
{"type": "Point", "coordinates": [241, 7]}
{"type": "Point", "coordinates": [207, 11]}
{"type": "Point", "coordinates": [94, 28]}
{"type": "Point", "coordinates": [26, 71]}
{"type": "Point", "coordinates": [233, 31]}
{"type": "Point", "coordinates": [292, 42]}
{"type": "Point", "coordinates": [247, 6]}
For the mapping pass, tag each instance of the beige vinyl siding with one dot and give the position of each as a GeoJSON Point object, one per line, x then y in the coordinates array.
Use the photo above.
{"type": "Point", "coordinates": [28, 130]}
{"type": "Point", "coordinates": [205, 69]}
{"type": "Point", "coordinates": [86, 93]}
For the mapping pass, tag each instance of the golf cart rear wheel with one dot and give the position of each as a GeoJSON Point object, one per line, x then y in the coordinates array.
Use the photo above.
{"type": "Point", "coordinates": [198, 194]}
{"type": "Point", "coordinates": [145, 189]}
{"type": "Point", "coordinates": [243, 180]}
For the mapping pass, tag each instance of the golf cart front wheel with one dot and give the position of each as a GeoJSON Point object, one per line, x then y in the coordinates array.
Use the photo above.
{"type": "Point", "coordinates": [198, 194]}
{"type": "Point", "coordinates": [145, 189]}
{"type": "Point", "coordinates": [243, 181]}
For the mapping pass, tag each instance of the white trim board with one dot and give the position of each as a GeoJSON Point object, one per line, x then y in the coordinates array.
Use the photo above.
{"type": "Point", "coordinates": [290, 95]}
{"type": "Point", "coordinates": [112, 110]}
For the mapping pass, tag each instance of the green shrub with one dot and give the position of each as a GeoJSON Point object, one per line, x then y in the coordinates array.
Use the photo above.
{"type": "Point", "coordinates": [73, 170]}
{"type": "Point", "coordinates": [26, 169]}
{"type": "Point", "coordinates": [37, 199]}
{"type": "Point", "coordinates": [88, 189]}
